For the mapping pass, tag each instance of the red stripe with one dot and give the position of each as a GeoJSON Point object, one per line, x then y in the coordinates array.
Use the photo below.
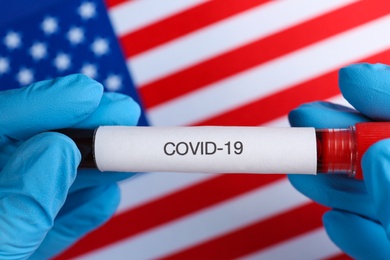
{"type": "Point", "coordinates": [259, 52]}
{"type": "Point", "coordinates": [169, 208]}
{"type": "Point", "coordinates": [323, 87]}
{"type": "Point", "coordinates": [257, 236]}
{"type": "Point", "coordinates": [182, 23]}
{"type": "Point", "coordinates": [339, 257]}
{"type": "Point", "coordinates": [112, 3]}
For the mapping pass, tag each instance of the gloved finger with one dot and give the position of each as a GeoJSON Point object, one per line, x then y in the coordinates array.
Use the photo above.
{"type": "Point", "coordinates": [83, 212]}
{"type": "Point", "coordinates": [367, 88]}
{"type": "Point", "coordinates": [46, 105]}
{"type": "Point", "coordinates": [359, 237]}
{"type": "Point", "coordinates": [325, 115]}
{"type": "Point", "coordinates": [94, 205]}
{"type": "Point", "coordinates": [331, 190]}
{"type": "Point", "coordinates": [376, 171]}
{"type": "Point", "coordinates": [33, 187]}
{"type": "Point", "coordinates": [113, 109]}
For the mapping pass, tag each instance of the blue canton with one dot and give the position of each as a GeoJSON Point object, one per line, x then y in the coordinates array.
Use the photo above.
{"type": "Point", "coordinates": [62, 39]}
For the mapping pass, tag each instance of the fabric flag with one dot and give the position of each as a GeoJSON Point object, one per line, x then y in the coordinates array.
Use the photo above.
{"type": "Point", "coordinates": [198, 62]}
{"type": "Point", "coordinates": [57, 38]}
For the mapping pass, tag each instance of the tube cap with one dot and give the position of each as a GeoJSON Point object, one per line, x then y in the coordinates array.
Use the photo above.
{"type": "Point", "coordinates": [366, 135]}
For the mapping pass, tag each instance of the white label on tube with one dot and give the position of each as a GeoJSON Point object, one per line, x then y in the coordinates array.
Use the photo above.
{"type": "Point", "coordinates": [206, 149]}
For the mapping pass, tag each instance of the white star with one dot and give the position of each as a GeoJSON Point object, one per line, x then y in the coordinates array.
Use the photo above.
{"type": "Point", "coordinates": [49, 25]}
{"type": "Point", "coordinates": [89, 70]}
{"type": "Point", "coordinates": [38, 51]}
{"type": "Point", "coordinates": [62, 61]}
{"type": "Point", "coordinates": [12, 40]}
{"type": "Point", "coordinates": [75, 35]}
{"type": "Point", "coordinates": [113, 82]}
{"type": "Point", "coordinates": [87, 10]}
{"type": "Point", "coordinates": [100, 46]}
{"type": "Point", "coordinates": [4, 65]}
{"type": "Point", "coordinates": [25, 76]}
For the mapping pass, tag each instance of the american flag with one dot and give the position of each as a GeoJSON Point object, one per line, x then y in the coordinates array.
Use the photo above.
{"type": "Point", "coordinates": [197, 62]}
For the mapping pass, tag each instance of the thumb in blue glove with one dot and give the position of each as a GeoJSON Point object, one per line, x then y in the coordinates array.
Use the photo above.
{"type": "Point", "coordinates": [359, 220]}
{"type": "Point", "coordinates": [33, 187]}
{"type": "Point", "coordinates": [45, 204]}
{"type": "Point", "coordinates": [362, 237]}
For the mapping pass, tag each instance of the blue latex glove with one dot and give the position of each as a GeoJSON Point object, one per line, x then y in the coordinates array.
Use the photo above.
{"type": "Point", "coordinates": [359, 222]}
{"type": "Point", "coordinates": [45, 205]}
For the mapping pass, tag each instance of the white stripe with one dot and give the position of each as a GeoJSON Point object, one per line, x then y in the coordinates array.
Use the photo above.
{"type": "Point", "coordinates": [311, 245]}
{"type": "Point", "coordinates": [339, 99]}
{"type": "Point", "coordinates": [278, 122]}
{"type": "Point", "coordinates": [220, 219]}
{"type": "Point", "coordinates": [283, 120]}
{"type": "Point", "coordinates": [224, 36]}
{"type": "Point", "coordinates": [133, 15]}
{"type": "Point", "coordinates": [150, 186]}
{"type": "Point", "coordinates": [276, 75]}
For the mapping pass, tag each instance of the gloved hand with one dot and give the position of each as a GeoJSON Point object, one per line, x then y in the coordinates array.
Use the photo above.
{"type": "Point", "coordinates": [359, 222]}
{"type": "Point", "coordinates": [45, 204]}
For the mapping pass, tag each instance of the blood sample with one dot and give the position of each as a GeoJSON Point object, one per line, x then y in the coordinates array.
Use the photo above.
{"type": "Point", "coordinates": [341, 150]}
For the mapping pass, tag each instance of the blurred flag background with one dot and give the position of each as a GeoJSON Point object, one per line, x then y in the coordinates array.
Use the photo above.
{"type": "Point", "coordinates": [197, 62]}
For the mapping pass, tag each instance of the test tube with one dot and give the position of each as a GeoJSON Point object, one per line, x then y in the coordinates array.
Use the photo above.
{"type": "Point", "coordinates": [210, 149]}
